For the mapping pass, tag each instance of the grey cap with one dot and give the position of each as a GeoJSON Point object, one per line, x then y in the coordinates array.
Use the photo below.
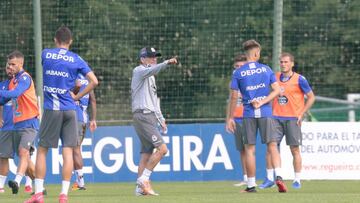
{"type": "Point", "coordinates": [149, 52]}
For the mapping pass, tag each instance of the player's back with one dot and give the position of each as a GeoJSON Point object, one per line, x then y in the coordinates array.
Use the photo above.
{"type": "Point", "coordinates": [254, 82]}
{"type": "Point", "coordinates": [60, 70]}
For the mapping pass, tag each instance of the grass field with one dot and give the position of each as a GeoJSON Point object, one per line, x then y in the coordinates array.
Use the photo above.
{"type": "Point", "coordinates": [198, 192]}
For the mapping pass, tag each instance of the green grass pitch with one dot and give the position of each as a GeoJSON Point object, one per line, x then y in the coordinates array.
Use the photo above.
{"type": "Point", "coordinates": [198, 192]}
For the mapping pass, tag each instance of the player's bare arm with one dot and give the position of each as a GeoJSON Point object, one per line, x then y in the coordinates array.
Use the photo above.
{"type": "Point", "coordinates": [230, 123]}
{"type": "Point", "coordinates": [77, 87]}
{"type": "Point", "coordinates": [93, 82]}
{"type": "Point", "coordinates": [228, 112]}
{"type": "Point", "coordinates": [93, 124]}
{"type": "Point", "coordinates": [274, 93]}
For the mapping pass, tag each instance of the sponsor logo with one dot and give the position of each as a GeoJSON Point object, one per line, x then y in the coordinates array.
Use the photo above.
{"type": "Point", "coordinates": [255, 87]}
{"type": "Point", "coordinates": [59, 57]}
{"type": "Point", "coordinates": [154, 138]}
{"type": "Point", "coordinates": [239, 101]}
{"type": "Point", "coordinates": [190, 157]}
{"type": "Point", "coordinates": [83, 82]}
{"type": "Point", "coordinates": [62, 51]}
{"type": "Point", "coordinates": [253, 71]}
{"type": "Point", "coordinates": [57, 73]}
{"type": "Point", "coordinates": [283, 100]}
{"type": "Point", "coordinates": [256, 99]}
{"type": "Point", "coordinates": [54, 90]}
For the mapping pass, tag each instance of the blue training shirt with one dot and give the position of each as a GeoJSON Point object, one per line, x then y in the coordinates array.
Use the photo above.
{"type": "Point", "coordinates": [82, 105]}
{"type": "Point", "coordinates": [7, 113]}
{"type": "Point", "coordinates": [254, 81]}
{"type": "Point", "coordinates": [60, 70]}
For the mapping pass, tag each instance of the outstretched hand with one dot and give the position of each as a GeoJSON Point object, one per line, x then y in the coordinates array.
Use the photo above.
{"type": "Point", "coordinates": [173, 60]}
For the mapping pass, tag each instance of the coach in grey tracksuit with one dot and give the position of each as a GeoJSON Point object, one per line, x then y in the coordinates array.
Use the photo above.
{"type": "Point", "coordinates": [147, 115]}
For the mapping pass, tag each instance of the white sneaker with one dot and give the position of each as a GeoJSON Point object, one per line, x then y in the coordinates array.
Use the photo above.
{"type": "Point", "coordinates": [2, 190]}
{"type": "Point", "coordinates": [240, 184]}
{"type": "Point", "coordinates": [153, 193]}
{"type": "Point", "coordinates": [145, 187]}
{"type": "Point", "coordinates": [139, 191]}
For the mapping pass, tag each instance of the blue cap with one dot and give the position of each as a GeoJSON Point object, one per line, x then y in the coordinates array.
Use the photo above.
{"type": "Point", "coordinates": [149, 52]}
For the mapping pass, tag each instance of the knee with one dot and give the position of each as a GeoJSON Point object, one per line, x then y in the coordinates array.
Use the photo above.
{"type": "Point", "coordinates": [295, 150]}
{"type": "Point", "coordinates": [249, 150]}
{"type": "Point", "coordinates": [163, 149]}
{"type": "Point", "coordinates": [68, 160]}
{"type": "Point", "coordinates": [272, 148]}
{"type": "Point", "coordinates": [68, 154]}
{"type": "Point", "coordinates": [4, 161]}
{"type": "Point", "coordinates": [23, 152]}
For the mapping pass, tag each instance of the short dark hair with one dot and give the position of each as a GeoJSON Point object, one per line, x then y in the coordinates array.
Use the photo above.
{"type": "Point", "coordinates": [287, 54]}
{"type": "Point", "coordinates": [250, 44]}
{"type": "Point", "coordinates": [15, 54]}
{"type": "Point", "coordinates": [63, 35]}
{"type": "Point", "coordinates": [240, 58]}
